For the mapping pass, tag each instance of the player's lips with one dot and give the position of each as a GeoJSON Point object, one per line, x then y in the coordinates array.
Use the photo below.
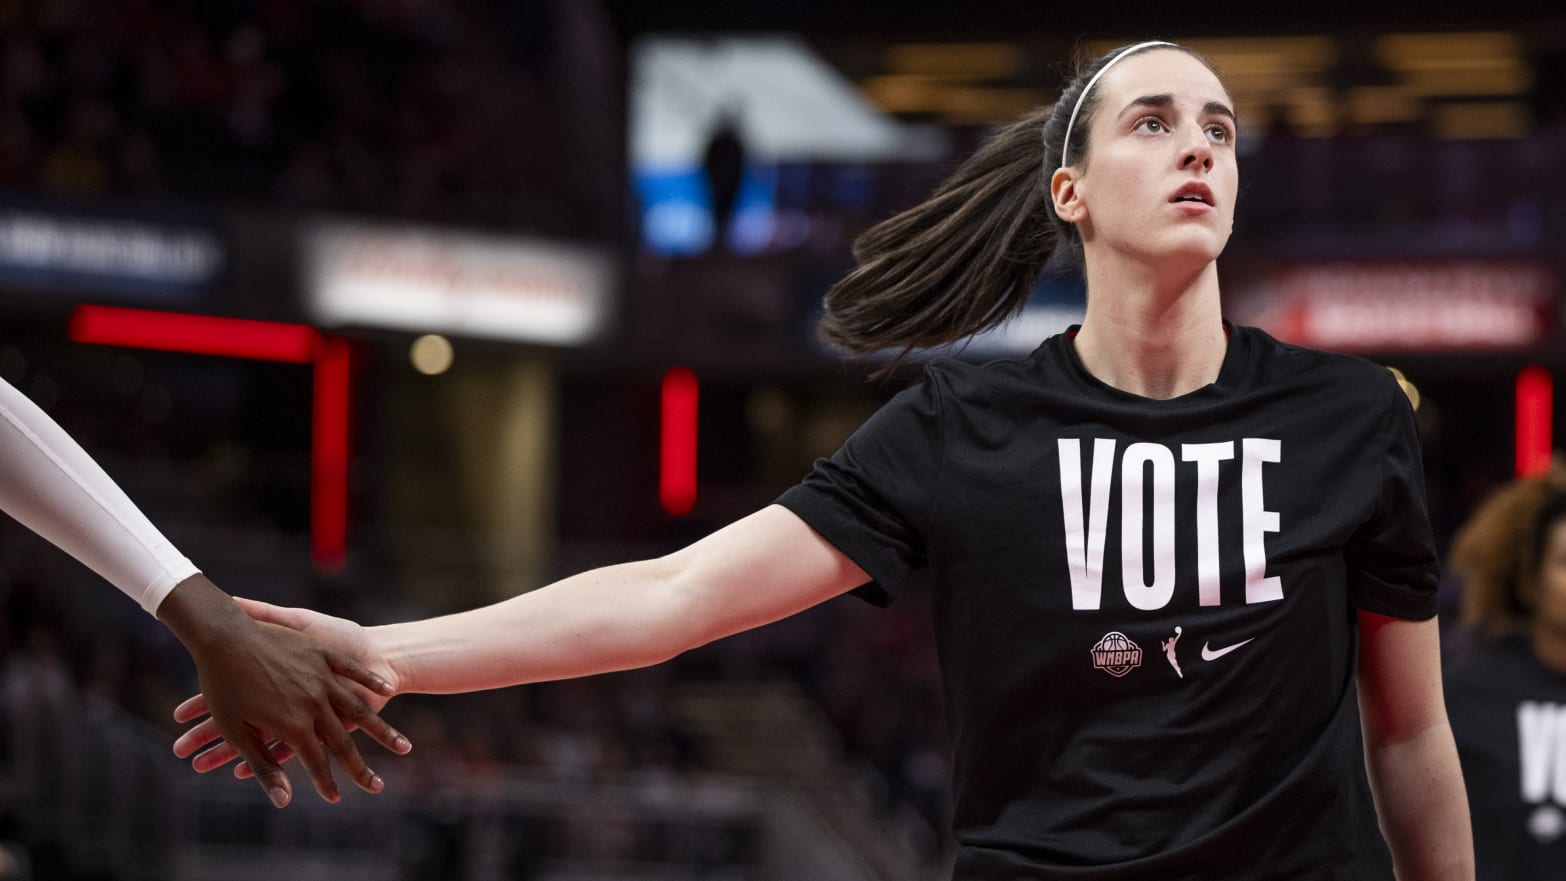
{"type": "Point", "coordinates": [1194, 194]}
{"type": "Point", "coordinates": [1194, 197]}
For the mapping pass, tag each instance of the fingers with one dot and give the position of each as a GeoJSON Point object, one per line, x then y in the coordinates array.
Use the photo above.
{"type": "Point", "coordinates": [348, 668]}
{"type": "Point", "coordinates": [196, 738]}
{"type": "Point", "coordinates": [338, 743]}
{"type": "Point", "coordinates": [327, 737]}
{"type": "Point", "coordinates": [281, 753]}
{"type": "Point", "coordinates": [337, 740]}
{"type": "Point", "coordinates": [192, 709]}
{"type": "Point", "coordinates": [382, 733]}
{"type": "Point", "coordinates": [216, 757]}
{"type": "Point", "coordinates": [352, 711]}
{"type": "Point", "coordinates": [355, 713]}
{"type": "Point", "coordinates": [268, 773]}
{"type": "Point", "coordinates": [313, 755]}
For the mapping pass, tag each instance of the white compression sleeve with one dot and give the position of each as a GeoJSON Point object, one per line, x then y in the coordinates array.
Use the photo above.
{"type": "Point", "coordinates": [50, 485]}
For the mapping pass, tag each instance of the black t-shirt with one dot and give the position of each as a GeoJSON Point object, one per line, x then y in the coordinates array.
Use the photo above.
{"type": "Point", "coordinates": [1509, 716]}
{"type": "Point", "coordinates": [1145, 610]}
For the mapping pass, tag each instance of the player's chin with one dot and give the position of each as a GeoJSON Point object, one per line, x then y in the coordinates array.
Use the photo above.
{"type": "Point", "coordinates": [1202, 243]}
{"type": "Point", "coordinates": [1193, 252]}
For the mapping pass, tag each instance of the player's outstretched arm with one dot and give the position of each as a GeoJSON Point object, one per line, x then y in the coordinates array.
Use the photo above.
{"type": "Point", "coordinates": [263, 684]}
{"type": "Point", "coordinates": [1410, 754]}
{"type": "Point", "coordinates": [757, 570]}
{"type": "Point", "coordinates": [762, 568]}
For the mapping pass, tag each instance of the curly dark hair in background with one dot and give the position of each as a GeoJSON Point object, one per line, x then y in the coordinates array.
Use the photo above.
{"type": "Point", "coordinates": [1499, 550]}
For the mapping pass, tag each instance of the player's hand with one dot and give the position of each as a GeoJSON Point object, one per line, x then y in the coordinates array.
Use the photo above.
{"type": "Point", "coordinates": [271, 691]}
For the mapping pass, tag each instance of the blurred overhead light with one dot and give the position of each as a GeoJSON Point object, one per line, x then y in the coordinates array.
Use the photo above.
{"type": "Point", "coordinates": [903, 93]}
{"type": "Point", "coordinates": [1381, 105]}
{"type": "Point", "coordinates": [1406, 51]}
{"type": "Point", "coordinates": [956, 60]}
{"type": "Point", "coordinates": [1510, 80]}
{"type": "Point", "coordinates": [979, 104]}
{"type": "Point", "coordinates": [1313, 111]}
{"type": "Point", "coordinates": [1491, 63]}
{"type": "Point", "coordinates": [1460, 64]}
{"type": "Point", "coordinates": [431, 354]}
{"type": "Point", "coordinates": [1239, 57]}
{"type": "Point", "coordinates": [958, 103]}
{"type": "Point", "coordinates": [1480, 120]}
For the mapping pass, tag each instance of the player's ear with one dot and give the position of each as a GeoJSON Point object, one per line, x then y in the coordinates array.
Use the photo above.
{"type": "Point", "coordinates": [1068, 199]}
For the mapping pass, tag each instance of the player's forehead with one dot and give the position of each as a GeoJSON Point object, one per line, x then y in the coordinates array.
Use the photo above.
{"type": "Point", "coordinates": [1158, 72]}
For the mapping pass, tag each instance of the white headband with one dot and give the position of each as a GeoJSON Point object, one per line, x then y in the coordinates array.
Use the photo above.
{"type": "Point", "coordinates": [1065, 147]}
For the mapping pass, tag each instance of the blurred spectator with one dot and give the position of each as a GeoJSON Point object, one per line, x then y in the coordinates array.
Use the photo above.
{"type": "Point", "coordinates": [1508, 698]}
{"type": "Point", "coordinates": [422, 110]}
{"type": "Point", "coordinates": [13, 863]}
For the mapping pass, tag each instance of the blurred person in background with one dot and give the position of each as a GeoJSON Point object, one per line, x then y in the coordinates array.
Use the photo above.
{"type": "Point", "coordinates": [1153, 472]}
{"type": "Point", "coordinates": [280, 684]}
{"type": "Point", "coordinates": [13, 865]}
{"type": "Point", "coordinates": [1508, 695]}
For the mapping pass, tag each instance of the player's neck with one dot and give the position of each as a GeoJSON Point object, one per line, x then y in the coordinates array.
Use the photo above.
{"type": "Point", "coordinates": [1157, 338]}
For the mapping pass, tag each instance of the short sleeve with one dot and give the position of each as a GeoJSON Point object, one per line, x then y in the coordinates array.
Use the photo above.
{"type": "Point", "coordinates": [1393, 566]}
{"type": "Point", "coordinates": [872, 498]}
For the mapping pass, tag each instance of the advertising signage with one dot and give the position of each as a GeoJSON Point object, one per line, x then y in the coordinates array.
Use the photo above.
{"type": "Point", "coordinates": [1415, 306]}
{"type": "Point", "coordinates": [98, 254]}
{"type": "Point", "coordinates": [427, 280]}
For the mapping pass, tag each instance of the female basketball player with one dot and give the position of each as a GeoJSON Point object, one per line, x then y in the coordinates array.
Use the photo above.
{"type": "Point", "coordinates": [1153, 474]}
{"type": "Point", "coordinates": [281, 685]}
{"type": "Point", "coordinates": [1509, 695]}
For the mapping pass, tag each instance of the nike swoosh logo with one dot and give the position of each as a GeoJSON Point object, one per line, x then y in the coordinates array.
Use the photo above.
{"type": "Point", "coordinates": [1211, 654]}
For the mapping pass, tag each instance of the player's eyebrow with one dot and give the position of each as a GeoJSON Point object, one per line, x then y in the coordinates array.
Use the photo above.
{"type": "Point", "coordinates": [1164, 100]}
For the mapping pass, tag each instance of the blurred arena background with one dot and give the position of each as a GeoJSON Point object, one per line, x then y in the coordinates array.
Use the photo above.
{"type": "Point", "coordinates": [395, 308]}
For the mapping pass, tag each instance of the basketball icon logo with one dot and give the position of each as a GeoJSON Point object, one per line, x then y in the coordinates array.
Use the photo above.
{"type": "Point", "coordinates": [1116, 655]}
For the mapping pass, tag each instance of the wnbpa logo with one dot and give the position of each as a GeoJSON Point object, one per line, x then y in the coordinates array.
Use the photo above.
{"type": "Point", "coordinates": [1116, 655]}
{"type": "Point", "coordinates": [1541, 736]}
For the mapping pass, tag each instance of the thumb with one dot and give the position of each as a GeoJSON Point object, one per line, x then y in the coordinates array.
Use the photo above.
{"type": "Point", "coordinates": [294, 619]}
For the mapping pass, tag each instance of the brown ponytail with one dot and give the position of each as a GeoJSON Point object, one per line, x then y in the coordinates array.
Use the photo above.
{"type": "Point", "coordinates": [965, 259]}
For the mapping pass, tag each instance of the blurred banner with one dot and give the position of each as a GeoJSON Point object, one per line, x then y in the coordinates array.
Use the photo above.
{"type": "Point", "coordinates": [428, 280]}
{"type": "Point", "coordinates": [1425, 306]}
{"type": "Point", "coordinates": [58, 250]}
